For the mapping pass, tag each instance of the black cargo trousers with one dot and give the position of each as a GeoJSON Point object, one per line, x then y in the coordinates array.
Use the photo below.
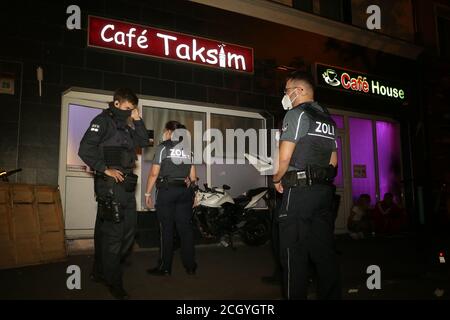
{"type": "Point", "coordinates": [306, 224]}
{"type": "Point", "coordinates": [113, 240]}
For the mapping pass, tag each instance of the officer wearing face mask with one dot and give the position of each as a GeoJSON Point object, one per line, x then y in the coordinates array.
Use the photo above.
{"type": "Point", "coordinates": [174, 175]}
{"type": "Point", "coordinates": [306, 168]}
{"type": "Point", "coordinates": [109, 148]}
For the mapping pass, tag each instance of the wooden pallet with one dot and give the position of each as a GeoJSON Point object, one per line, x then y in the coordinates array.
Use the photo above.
{"type": "Point", "coordinates": [31, 225]}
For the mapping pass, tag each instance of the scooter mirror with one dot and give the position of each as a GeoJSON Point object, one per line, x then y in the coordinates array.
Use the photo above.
{"type": "Point", "coordinates": [226, 187]}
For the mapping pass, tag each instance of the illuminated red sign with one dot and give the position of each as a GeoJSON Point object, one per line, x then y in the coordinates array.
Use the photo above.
{"type": "Point", "coordinates": [148, 41]}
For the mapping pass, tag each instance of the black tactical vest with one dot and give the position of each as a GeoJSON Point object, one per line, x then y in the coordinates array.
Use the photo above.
{"type": "Point", "coordinates": [117, 146]}
{"type": "Point", "coordinates": [316, 146]}
{"type": "Point", "coordinates": [177, 162]}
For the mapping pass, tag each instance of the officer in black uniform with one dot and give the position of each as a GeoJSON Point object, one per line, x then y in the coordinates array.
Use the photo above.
{"type": "Point", "coordinates": [109, 148]}
{"type": "Point", "coordinates": [174, 175]}
{"type": "Point", "coordinates": [307, 166]}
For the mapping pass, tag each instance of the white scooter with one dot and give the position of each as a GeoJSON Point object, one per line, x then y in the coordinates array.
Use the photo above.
{"type": "Point", "coordinates": [217, 215]}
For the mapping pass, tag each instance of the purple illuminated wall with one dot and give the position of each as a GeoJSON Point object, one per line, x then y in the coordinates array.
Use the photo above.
{"type": "Point", "coordinates": [361, 153]}
{"type": "Point", "coordinates": [389, 160]}
{"type": "Point", "coordinates": [339, 121]}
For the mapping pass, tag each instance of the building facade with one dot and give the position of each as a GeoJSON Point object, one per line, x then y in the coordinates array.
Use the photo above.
{"type": "Point", "coordinates": [369, 79]}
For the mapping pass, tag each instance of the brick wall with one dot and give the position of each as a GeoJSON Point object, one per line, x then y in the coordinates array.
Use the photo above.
{"type": "Point", "coordinates": [34, 34]}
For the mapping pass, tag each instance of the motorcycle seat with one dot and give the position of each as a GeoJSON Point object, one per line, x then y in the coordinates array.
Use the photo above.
{"type": "Point", "coordinates": [242, 200]}
{"type": "Point", "coordinates": [253, 192]}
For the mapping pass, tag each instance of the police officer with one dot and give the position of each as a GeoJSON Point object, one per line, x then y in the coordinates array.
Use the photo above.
{"type": "Point", "coordinates": [307, 166]}
{"type": "Point", "coordinates": [109, 148]}
{"type": "Point", "coordinates": [175, 177]}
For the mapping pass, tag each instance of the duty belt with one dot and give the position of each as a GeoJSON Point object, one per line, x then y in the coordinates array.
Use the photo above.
{"type": "Point", "coordinates": [295, 179]}
{"type": "Point", "coordinates": [307, 177]}
{"type": "Point", "coordinates": [170, 182]}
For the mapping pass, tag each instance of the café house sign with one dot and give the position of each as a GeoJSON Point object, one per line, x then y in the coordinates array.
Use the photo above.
{"type": "Point", "coordinates": [148, 41]}
{"type": "Point", "coordinates": [350, 81]}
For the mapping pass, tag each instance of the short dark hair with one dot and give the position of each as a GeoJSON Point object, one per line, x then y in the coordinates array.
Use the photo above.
{"type": "Point", "coordinates": [302, 76]}
{"type": "Point", "coordinates": [126, 94]}
{"type": "Point", "coordinates": [173, 125]}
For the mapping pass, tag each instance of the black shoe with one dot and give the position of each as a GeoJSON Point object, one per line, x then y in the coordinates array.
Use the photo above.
{"type": "Point", "coordinates": [96, 277]}
{"type": "Point", "coordinates": [158, 272]}
{"type": "Point", "coordinates": [275, 280]}
{"type": "Point", "coordinates": [119, 293]}
{"type": "Point", "coordinates": [191, 271]}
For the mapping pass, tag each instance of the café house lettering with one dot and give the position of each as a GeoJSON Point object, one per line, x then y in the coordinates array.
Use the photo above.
{"type": "Point", "coordinates": [336, 78]}
{"type": "Point", "coordinates": [143, 40]}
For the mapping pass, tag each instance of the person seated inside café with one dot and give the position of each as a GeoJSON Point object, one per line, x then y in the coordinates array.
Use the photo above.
{"type": "Point", "coordinates": [359, 222]}
{"type": "Point", "coordinates": [389, 218]}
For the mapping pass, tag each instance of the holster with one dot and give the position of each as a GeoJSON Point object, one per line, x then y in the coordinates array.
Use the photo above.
{"type": "Point", "coordinates": [108, 206]}
{"type": "Point", "coordinates": [130, 182]}
{"type": "Point", "coordinates": [109, 210]}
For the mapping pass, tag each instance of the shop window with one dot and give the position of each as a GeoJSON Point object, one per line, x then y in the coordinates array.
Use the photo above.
{"type": "Point", "coordinates": [389, 159]}
{"type": "Point", "coordinates": [79, 119]}
{"type": "Point", "coordinates": [240, 177]}
{"type": "Point", "coordinates": [362, 158]}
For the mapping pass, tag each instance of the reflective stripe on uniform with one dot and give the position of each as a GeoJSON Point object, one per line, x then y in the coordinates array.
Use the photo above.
{"type": "Point", "coordinates": [288, 199]}
{"type": "Point", "coordinates": [288, 275]}
{"type": "Point", "coordinates": [319, 135]}
{"type": "Point", "coordinates": [298, 124]}
{"type": "Point", "coordinates": [160, 154]}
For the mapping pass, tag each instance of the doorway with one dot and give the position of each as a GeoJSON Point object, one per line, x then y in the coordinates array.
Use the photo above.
{"type": "Point", "coordinates": [370, 161]}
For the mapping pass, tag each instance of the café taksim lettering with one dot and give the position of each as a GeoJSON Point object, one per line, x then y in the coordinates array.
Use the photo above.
{"type": "Point", "coordinates": [137, 39]}
{"type": "Point", "coordinates": [366, 84]}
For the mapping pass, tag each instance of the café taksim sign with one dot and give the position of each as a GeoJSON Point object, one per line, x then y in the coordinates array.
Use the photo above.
{"type": "Point", "coordinates": [148, 41]}
{"type": "Point", "coordinates": [332, 77]}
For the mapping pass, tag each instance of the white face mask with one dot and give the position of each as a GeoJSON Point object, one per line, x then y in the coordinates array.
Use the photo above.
{"type": "Point", "coordinates": [287, 103]}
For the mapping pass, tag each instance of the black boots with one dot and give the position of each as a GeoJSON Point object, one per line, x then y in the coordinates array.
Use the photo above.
{"type": "Point", "coordinates": [118, 292]}
{"type": "Point", "coordinates": [191, 271]}
{"type": "Point", "coordinates": [158, 272]}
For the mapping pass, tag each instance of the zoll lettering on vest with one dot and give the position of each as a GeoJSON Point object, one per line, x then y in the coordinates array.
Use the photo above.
{"type": "Point", "coordinates": [138, 39]}
{"type": "Point", "coordinates": [332, 77]}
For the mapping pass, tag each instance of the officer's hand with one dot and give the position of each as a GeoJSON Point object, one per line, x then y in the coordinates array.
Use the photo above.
{"type": "Point", "coordinates": [279, 187]}
{"type": "Point", "coordinates": [116, 174]}
{"type": "Point", "coordinates": [149, 202]}
{"type": "Point", "coordinates": [135, 114]}
{"type": "Point", "coordinates": [195, 202]}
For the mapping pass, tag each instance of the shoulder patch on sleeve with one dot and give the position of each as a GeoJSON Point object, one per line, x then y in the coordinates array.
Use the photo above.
{"type": "Point", "coordinates": [95, 127]}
